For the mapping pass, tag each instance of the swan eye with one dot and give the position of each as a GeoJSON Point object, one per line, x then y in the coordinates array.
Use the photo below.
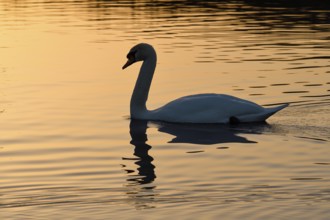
{"type": "Point", "coordinates": [131, 55]}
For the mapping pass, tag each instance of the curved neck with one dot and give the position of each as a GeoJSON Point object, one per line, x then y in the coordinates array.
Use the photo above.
{"type": "Point", "coordinates": [142, 86]}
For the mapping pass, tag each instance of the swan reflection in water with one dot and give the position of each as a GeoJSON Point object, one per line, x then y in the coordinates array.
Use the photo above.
{"type": "Point", "coordinates": [141, 187]}
{"type": "Point", "coordinates": [202, 134]}
{"type": "Point", "coordinates": [146, 173]}
{"type": "Point", "coordinates": [208, 134]}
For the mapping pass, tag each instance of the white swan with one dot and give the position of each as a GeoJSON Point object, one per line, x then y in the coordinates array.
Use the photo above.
{"type": "Point", "coordinates": [201, 108]}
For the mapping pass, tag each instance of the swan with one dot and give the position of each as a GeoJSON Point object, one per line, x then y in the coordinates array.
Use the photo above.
{"type": "Point", "coordinates": [200, 108]}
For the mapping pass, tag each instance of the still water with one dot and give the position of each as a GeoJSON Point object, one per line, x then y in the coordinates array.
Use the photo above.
{"type": "Point", "coordinates": [68, 149]}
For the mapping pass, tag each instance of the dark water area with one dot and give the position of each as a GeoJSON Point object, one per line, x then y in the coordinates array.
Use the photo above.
{"type": "Point", "coordinates": [69, 150]}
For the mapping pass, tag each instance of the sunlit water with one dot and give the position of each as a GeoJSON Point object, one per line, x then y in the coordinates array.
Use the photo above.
{"type": "Point", "coordinates": [68, 149]}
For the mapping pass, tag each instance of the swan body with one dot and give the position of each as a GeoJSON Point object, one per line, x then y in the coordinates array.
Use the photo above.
{"type": "Point", "coordinates": [200, 108]}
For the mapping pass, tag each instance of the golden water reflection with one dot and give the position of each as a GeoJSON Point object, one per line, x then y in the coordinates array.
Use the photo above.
{"type": "Point", "coordinates": [66, 146]}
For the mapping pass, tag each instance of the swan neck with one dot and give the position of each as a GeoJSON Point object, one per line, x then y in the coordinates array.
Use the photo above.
{"type": "Point", "coordinates": [142, 87]}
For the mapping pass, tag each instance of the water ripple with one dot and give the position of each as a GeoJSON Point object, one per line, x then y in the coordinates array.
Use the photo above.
{"type": "Point", "coordinates": [67, 151]}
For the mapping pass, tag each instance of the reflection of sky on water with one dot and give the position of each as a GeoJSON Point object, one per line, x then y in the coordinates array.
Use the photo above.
{"type": "Point", "coordinates": [63, 95]}
{"type": "Point", "coordinates": [226, 36]}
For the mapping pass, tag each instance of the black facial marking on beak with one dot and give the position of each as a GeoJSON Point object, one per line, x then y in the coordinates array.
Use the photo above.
{"type": "Point", "coordinates": [131, 55]}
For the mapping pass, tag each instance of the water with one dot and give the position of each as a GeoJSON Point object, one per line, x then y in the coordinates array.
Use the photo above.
{"type": "Point", "coordinates": [68, 149]}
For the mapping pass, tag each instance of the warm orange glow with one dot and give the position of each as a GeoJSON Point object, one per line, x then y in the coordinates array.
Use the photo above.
{"type": "Point", "coordinates": [66, 145]}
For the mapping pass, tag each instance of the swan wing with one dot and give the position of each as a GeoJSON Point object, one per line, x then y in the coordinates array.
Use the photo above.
{"type": "Point", "coordinates": [208, 108]}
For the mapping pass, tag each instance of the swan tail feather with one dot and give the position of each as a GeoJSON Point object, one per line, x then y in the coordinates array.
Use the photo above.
{"type": "Point", "coordinates": [259, 117]}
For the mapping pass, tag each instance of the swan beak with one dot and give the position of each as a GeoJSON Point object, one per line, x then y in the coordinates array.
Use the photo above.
{"type": "Point", "coordinates": [131, 59]}
{"type": "Point", "coordinates": [128, 63]}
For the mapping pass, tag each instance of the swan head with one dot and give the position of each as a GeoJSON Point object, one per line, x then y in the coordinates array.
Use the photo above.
{"type": "Point", "coordinates": [139, 52]}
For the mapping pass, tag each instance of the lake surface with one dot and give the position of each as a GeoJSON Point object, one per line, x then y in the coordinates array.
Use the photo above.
{"type": "Point", "coordinates": [69, 150]}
